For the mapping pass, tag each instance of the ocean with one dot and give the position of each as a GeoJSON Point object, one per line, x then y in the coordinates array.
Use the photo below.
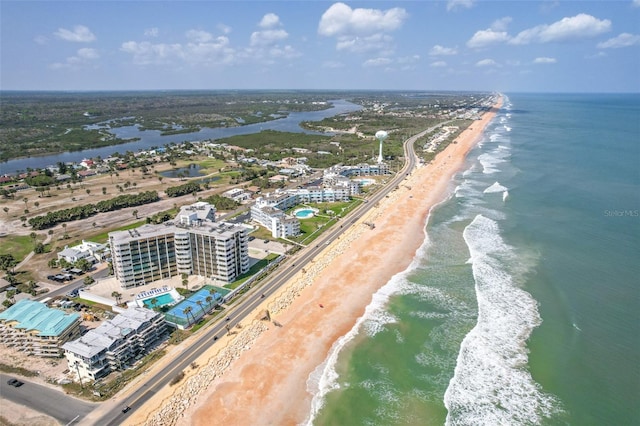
{"type": "Point", "coordinates": [522, 306]}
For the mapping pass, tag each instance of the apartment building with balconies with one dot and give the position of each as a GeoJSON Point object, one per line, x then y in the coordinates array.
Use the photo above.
{"type": "Point", "coordinates": [36, 329]}
{"type": "Point", "coordinates": [193, 244]}
{"type": "Point", "coordinates": [115, 344]}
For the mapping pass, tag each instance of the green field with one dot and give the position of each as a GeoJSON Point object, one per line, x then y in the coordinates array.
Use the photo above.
{"type": "Point", "coordinates": [17, 245]}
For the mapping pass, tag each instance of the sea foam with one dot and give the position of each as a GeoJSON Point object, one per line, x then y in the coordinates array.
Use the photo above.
{"type": "Point", "coordinates": [496, 187]}
{"type": "Point", "coordinates": [491, 384]}
{"type": "Point", "coordinates": [324, 378]}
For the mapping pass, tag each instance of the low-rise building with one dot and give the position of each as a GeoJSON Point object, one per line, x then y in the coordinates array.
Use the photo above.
{"type": "Point", "coordinates": [115, 344]}
{"type": "Point", "coordinates": [93, 252]}
{"type": "Point", "coordinates": [36, 329]}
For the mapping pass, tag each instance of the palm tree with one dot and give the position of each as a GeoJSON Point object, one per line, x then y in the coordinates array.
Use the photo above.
{"type": "Point", "coordinates": [185, 281]}
{"type": "Point", "coordinates": [212, 293]}
{"type": "Point", "coordinates": [209, 299]}
{"type": "Point", "coordinates": [116, 296]}
{"type": "Point", "coordinates": [135, 213]}
{"type": "Point", "coordinates": [187, 311]}
{"type": "Point", "coordinates": [25, 199]}
{"type": "Point", "coordinates": [199, 302]}
{"type": "Point", "coordinates": [6, 210]}
{"type": "Point", "coordinates": [154, 302]}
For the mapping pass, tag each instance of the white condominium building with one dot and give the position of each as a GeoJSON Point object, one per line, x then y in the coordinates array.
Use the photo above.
{"type": "Point", "coordinates": [115, 344]}
{"type": "Point", "coordinates": [194, 245]}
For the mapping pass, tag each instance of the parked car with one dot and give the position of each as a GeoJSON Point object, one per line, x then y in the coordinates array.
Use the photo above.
{"type": "Point", "coordinates": [15, 383]}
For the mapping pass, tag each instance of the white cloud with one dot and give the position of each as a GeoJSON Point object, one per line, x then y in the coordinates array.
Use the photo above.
{"type": "Point", "coordinates": [268, 37]}
{"type": "Point", "coordinates": [83, 56]}
{"type": "Point", "coordinates": [408, 59]}
{"type": "Point", "coordinates": [459, 4]}
{"type": "Point", "coordinates": [544, 60]}
{"type": "Point", "coordinates": [438, 64]}
{"type": "Point", "coordinates": [286, 52]}
{"type": "Point", "coordinates": [87, 53]}
{"type": "Point", "coordinates": [573, 28]}
{"type": "Point", "coordinates": [438, 50]}
{"type": "Point", "coordinates": [269, 20]}
{"type": "Point", "coordinates": [41, 39]}
{"type": "Point", "coordinates": [377, 62]}
{"type": "Point", "coordinates": [213, 53]}
{"type": "Point", "coordinates": [199, 36]}
{"type": "Point", "coordinates": [484, 38]}
{"type": "Point", "coordinates": [487, 63]}
{"type": "Point", "coordinates": [370, 43]}
{"type": "Point", "coordinates": [151, 32]}
{"type": "Point", "coordinates": [341, 19]}
{"type": "Point", "coordinates": [80, 34]}
{"type": "Point", "coordinates": [224, 29]}
{"type": "Point", "coordinates": [332, 64]}
{"type": "Point", "coordinates": [501, 24]}
{"type": "Point", "coordinates": [623, 40]}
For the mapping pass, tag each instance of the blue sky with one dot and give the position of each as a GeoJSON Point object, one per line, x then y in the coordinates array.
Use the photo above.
{"type": "Point", "coordinates": [532, 46]}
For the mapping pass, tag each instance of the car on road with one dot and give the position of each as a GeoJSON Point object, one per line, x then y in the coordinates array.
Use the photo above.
{"type": "Point", "coordinates": [15, 383]}
{"type": "Point", "coordinates": [266, 241]}
{"type": "Point", "coordinates": [126, 409]}
{"type": "Point", "coordinates": [252, 238]}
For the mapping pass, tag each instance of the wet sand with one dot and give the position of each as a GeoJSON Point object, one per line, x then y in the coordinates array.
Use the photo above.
{"type": "Point", "coordinates": [266, 385]}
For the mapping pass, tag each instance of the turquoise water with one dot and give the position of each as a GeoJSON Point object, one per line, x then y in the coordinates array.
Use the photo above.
{"type": "Point", "coordinates": [162, 300]}
{"type": "Point", "coordinates": [522, 307]}
{"type": "Point", "coordinates": [304, 213]}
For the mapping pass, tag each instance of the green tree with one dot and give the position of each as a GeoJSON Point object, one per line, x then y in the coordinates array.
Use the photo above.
{"type": "Point", "coordinates": [83, 264]}
{"type": "Point", "coordinates": [185, 281]}
{"type": "Point", "coordinates": [39, 248]}
{"type": "Point", "coordinates": [116, 296]}
{"type": "Point", "coordinates": [88, 280]}
{"type": "Point", "coordinates": [188, 311]}
{"type": "Point", "coordinates": [199, 303]}
{"type": "Point", "coordinates": [7, 262]}
{"type": "Point", "coordinates": [6, 210]}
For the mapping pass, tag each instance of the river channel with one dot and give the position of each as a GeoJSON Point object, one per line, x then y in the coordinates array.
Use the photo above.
{"type": "Point", "coordinates": [151, 138]}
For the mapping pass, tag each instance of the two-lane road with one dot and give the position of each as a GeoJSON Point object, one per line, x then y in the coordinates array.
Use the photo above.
{"type": "Point", "coordinates": [208, 336]}
{"type": "Point", "coordinates": [54, 403]}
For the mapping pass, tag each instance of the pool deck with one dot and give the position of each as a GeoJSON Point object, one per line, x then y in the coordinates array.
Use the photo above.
{"type": "Point", "coordinates": [107, 286]}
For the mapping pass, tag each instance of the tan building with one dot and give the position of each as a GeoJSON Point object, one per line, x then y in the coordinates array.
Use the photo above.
{"type": "Point", "coordinates": [34, 328]}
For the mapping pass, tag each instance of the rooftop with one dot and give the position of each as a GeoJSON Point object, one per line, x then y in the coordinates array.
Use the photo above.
{"type": "Point", "coordinates": [31, 315]}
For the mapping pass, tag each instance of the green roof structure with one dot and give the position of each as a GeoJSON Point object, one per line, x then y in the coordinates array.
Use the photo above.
{"type": "Point", "coordinates": [31, 315]}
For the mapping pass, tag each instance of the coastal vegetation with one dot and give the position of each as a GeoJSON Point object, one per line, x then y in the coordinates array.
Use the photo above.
{"type": "Point", "coordinates": [38, 123]}
{"type": "Point", "coordinates": [84, 211]}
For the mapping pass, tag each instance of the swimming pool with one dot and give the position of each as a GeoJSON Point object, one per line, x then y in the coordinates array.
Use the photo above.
{"type": "Point", "coordinates": [305, 213]}
{"type": "Point", "coordinates": [162, 300]}
{"type": "Point", "coordinates": [162, 296]}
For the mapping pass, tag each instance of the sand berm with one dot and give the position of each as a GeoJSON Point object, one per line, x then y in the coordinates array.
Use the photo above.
{"type": "Point", "coordinates": [258, 375]}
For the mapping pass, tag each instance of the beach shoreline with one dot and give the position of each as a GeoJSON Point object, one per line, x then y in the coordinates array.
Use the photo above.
{"type": "Point", "coordinates": [268, 383]}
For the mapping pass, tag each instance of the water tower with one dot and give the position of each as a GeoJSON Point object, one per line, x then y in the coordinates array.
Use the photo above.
{"type": "Point", "coordinates": [381, 135]}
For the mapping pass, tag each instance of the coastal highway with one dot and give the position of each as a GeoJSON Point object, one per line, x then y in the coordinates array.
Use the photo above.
{"type": "Point", "coordinates": [53, 402]}
{"type": "Point", "coordinates": [110, 413]}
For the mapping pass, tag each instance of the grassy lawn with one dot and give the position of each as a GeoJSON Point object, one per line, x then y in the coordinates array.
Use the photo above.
{"type": "Point", "coordinates": [252, 271]}
{"type": "Point", "coordinates": [210, 165]}
{"type": "Point", "coordinates": [313, 227]}
{"type": "Point", "coordinates": [17, 245]}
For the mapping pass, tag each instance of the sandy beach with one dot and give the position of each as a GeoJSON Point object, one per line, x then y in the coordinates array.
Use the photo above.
{"type": "Point", "coordinates": [266, 385]}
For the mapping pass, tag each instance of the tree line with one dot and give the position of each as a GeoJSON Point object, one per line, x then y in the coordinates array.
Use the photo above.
{"type": "Point", "coordinates": [82, 212]}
